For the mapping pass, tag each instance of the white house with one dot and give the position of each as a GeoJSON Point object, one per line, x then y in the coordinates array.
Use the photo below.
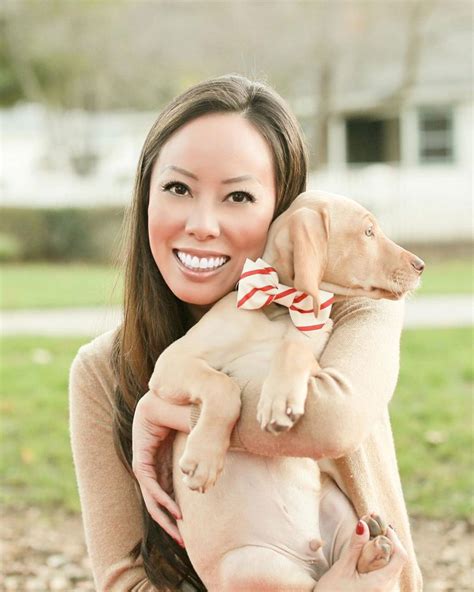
{"type": "Point", "coordinates": [412, 168]}
{"type": "Point", "coordinates": [73, 158]}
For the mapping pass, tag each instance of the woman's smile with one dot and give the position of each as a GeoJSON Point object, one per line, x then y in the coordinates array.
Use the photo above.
{"type": "Point", "coordinates": [199, 268]}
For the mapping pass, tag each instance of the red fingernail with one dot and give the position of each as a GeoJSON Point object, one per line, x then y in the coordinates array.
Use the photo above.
{"type": "Point", "coordinates": [360, 527]}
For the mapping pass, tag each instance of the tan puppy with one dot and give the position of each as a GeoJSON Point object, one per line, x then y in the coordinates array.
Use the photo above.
{"type": "Point", "coordinates": [323, 241]}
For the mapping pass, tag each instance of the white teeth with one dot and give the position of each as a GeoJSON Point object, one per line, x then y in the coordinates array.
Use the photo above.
{"type": "Point", "coordinates": [201, 264]}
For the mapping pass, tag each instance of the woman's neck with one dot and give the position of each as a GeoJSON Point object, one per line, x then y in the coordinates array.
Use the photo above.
{"type": "Point", "coordinates": [198, 310]}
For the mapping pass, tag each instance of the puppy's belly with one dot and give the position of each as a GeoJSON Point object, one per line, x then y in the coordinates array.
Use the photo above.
{"type": "Point", "coordinates": [337, 518]}
{"type": "Point", "coordinates": [263, 501]}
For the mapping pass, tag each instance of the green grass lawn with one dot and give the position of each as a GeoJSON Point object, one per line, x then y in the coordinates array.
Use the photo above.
{"type": "Point", "coordinates": [46, 285]}
{"type": "Point", "coordinates": [35, 464]}
{"type": "Point", "coordinates": [431, 417]}
{"type": "Point", "coordinates": [50, 286]}
{"type": "Point", "coordinates": [448, 277]}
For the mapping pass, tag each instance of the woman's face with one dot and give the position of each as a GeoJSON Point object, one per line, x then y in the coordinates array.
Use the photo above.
{"type": "Point", "coordinates": [204, 220]}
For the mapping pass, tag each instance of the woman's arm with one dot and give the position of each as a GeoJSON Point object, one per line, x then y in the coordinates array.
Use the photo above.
{"type": "Point", "coordinates": [359, 372]}
{"type": "Point", "coordinates": [109, 500]}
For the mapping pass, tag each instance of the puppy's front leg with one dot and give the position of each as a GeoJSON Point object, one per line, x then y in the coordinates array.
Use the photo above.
{"type": "Point", "coordinates": [181, 378]}
{"type": "Point", "coordinates": [285, 389]}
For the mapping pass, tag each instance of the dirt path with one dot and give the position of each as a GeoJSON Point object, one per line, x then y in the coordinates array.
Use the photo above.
{"type": "Point", "coordinates": [47, 553]}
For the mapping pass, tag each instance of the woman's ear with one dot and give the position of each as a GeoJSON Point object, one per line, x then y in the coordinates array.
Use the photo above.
{"type": "Point", "coordinates": [301, 246]}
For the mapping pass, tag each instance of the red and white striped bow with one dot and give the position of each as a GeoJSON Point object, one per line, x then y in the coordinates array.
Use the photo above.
{"type": "Point", "coordinates": [259, 286]}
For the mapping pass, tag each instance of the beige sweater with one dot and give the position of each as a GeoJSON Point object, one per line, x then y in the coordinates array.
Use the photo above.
{"type": "Point", "coordinates": [345, 415]}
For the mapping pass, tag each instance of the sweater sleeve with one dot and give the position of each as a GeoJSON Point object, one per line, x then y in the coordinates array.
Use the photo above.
{"type": "Point", "coordinates": [359, 373]}
{"type": "Point", "coordinates": [110, 504]}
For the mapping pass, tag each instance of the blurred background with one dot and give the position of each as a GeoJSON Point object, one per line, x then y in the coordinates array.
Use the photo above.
{"type": "Point", "coordinates": [384, 93]}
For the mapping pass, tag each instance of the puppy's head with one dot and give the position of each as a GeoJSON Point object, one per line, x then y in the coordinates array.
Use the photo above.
{"type": "Point", "coordinates": [329, 239]}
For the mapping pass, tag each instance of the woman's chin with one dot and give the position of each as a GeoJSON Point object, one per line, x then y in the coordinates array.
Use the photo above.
{"type": "Point", "coordinates": [203, 293]}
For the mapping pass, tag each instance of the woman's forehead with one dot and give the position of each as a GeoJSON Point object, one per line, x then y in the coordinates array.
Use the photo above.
{"type": "Point", "coordinates": [227, 144]}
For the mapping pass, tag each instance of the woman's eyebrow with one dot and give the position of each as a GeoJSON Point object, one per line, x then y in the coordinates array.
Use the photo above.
{"type": "Point", "coordinates": [193, 176]}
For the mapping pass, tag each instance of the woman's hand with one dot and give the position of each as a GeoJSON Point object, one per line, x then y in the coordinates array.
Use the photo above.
{"type": "Point", "coordinates": [152, 422]}
{"type": "Point", "coordinates": [344, 577]}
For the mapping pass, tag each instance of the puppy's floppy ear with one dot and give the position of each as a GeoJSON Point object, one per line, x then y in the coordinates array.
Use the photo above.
{"type": "Point", "coordinates": [302, 250]}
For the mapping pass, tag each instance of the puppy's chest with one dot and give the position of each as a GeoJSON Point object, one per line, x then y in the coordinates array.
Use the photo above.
{"type": "Point", "coordinates": [251, 363]}
{"type": "Point", "coordinates": [279, 316]}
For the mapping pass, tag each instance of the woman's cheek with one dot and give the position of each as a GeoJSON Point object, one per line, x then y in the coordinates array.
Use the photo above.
{"type": "Point", "coordinates": [255, 238]}
{"type": "Point", "coordinates": [163, 223]}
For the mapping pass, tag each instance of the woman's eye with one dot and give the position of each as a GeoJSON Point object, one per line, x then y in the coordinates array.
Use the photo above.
{"type": "Point", "coordinates": [171, 184]}
{"type": "Point", "coordinates": [241, 195]}
{"type": "Point", "coordinates": [369, 231]}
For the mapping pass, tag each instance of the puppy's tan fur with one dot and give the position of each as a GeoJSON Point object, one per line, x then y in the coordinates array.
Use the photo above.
{"type": "Point", "coordinates": [322, 241]}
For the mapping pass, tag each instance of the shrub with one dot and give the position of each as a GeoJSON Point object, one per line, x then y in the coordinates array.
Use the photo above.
{"type": "Point", "coordinates": [60, 234]}
{"type": "Point", "coordinates": [10, 248]}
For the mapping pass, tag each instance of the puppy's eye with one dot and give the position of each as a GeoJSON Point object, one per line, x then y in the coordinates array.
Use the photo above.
{"type": "Point", "coordinates": [369, 231]}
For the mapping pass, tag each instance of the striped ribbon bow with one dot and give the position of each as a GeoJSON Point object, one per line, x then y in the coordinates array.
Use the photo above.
{"type": "Point", "coordinates": [259, 286]}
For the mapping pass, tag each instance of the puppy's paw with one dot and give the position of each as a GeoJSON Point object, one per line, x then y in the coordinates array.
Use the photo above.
{"type": "Point", "coordinates": [201, 466]}
{"type": "Point", "coordinates": [377, 552]}
{"type": "Point", "coordinates": [277, 410]}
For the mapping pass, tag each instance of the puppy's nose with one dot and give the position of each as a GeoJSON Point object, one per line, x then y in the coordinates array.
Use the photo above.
{"type": "Point", "coordinates": [418, 264]}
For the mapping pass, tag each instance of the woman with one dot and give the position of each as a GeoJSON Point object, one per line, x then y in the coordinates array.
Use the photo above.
{"type": "Point", "coordinates": [192, 208]}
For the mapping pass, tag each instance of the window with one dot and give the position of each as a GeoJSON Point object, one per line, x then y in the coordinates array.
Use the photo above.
{"type": "Point", "coordinates": [435, 128]}
{"type": "Point", "coordinates": [371, 140]}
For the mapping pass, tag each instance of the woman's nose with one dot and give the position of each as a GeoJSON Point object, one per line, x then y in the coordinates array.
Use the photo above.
{"type": "Point", "coordinates": [203, 223]}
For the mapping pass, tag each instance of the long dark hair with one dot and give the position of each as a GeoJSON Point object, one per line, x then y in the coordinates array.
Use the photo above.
{"type": "Point", "coordinates": [153, 316]}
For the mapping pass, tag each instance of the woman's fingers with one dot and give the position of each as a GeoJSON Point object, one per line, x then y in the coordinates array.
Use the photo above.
{"type": "Point", "coordinates": [389, 574]}
{"type": "Point", "coordinates": [159, 496]}
{"type": "Point", "coordinates": [350, 556]}
{"type": "Point", "coordinates": [162, 519]}
{"type": "Point", "coordinates": [154, 496]}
